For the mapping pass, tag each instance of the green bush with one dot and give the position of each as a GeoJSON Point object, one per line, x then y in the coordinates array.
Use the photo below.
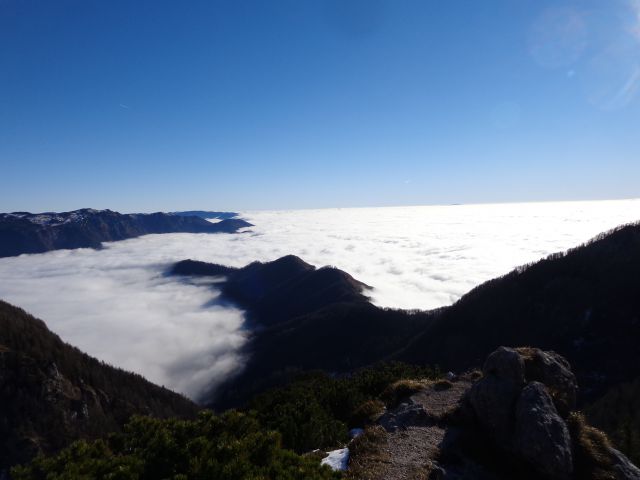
{"type": "Point", "coordinates": [232, 446]}
{"type": "Point", "coordinates": [316, 410]}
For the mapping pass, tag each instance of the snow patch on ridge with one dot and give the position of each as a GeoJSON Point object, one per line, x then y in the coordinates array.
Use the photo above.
{"type": "Point", "coordinates": [337, 459]}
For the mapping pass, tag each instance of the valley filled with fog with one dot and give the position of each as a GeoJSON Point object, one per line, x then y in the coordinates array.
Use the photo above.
{"type": "Point", "coordinates": [118, 305]}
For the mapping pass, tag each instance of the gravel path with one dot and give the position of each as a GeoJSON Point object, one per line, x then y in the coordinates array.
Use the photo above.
{"type": "Point", "coordinates": [415, 431]}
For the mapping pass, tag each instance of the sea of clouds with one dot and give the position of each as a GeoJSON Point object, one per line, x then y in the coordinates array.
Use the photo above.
{"type": "Point", "coordinates": [118, 305]}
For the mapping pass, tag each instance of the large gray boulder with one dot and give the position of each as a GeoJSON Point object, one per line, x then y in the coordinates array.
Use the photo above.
{"type": "Point", "coordinates": [555, 373]}
{"type": "Point", "coordinates": [493, 397]}
{"type": "Point", "coordinates": [506, 364]}
{"type": "Point", "coordinates": [522, 405]}
{"type": "Point", "coordinates": [541, 437]}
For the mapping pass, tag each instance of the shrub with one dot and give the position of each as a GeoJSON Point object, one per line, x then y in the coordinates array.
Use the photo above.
{"type": "Point", "coordinates": [402, 389]}
{"type": "Point", "coordinates": [368, 457]}
{"type": "Point", "coordinates": [232, 446]}
{"type": "Point", "coordinates": [591, 450]}
{"type": "Point", "coordinates": [316, 409]}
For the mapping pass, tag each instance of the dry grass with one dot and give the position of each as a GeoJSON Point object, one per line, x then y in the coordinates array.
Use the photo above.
{"type": "Point", "coordinates": [368, 412]}
{"type": "Point", "coordinates": [403, 389]}
{"type": "Point", "coordinates": [527, 353]}
{"type": "Point", "coordinates": [592, 460]}
{"type": "Point", "coordinates": [368, 459]}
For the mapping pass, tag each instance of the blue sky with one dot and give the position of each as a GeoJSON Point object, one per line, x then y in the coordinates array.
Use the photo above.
{"type": "Point", "coordinates": [235, 104]}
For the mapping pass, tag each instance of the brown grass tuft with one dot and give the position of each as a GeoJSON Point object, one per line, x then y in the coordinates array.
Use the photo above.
{"type": "Point", "coordinates": [527, 353]}
{"type": "Point", "coordinates": [591, 450]}
{"type": "Point", "coordinates": [368, 412]}
{"type": "Point", "coordinates": [402, 389]}
{"type": "Point", "coordinates": [368, 458]}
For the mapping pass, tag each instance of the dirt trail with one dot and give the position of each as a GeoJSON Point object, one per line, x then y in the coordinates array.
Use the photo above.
{"type": "Point", "coordinates": [415, 431]}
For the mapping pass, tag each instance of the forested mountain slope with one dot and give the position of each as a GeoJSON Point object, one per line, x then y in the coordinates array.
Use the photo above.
{"type": "Point", "coordinates": [52, 393]}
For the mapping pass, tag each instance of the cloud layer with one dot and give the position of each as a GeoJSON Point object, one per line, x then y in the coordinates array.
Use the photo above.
{"type": "Point", "coordinates": [117, 305]}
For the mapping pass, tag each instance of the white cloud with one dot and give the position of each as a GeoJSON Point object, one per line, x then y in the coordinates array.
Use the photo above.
{"type": "Point", "coordinates": [635, 26]}
{"type": "Point", "coordinates": [117, 305]}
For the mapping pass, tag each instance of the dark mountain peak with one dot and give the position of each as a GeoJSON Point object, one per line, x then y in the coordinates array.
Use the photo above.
{"type": "Point", "coordinates": [277, 291]}
{"type": "Point", "coordinates": [198, 268]}
{"type": "Point", "coordinates": [281, 269]}
{"type": "Point", "coordinates": [292, 261]}
{"type": "Point", "coordinates": [337, 275]}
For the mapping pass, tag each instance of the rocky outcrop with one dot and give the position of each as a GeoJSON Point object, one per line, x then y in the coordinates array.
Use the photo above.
{"type": "Point", "coordinates": [521, 417]}
{"type": "Point", "coordinates": [493, 398]}
{"type": "Point", "coordinates": [553, 371]}
{"type": "Point", "coordinates": [541, 436]}
{"type": "Point", "coordinates": [516, 420]}
{"type": "Point", "coordinates": [522, 403]}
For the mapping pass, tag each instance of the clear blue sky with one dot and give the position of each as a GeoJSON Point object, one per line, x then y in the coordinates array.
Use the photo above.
{"type": "Point", "coordinates": [236, 104]}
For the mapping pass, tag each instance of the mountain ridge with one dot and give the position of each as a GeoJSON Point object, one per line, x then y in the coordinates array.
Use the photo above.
{"type": "Point", "coordinates": [24, 232]}
{"type": "Point", "coordinates": [580, 303]}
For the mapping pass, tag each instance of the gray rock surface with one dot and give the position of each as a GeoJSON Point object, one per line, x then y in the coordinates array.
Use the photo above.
{"type": "Point", "coordinates": [506, 364]}
{"type": "Point", "coordinates": [541, 436]}
{"type": "Point", "coordinates": [493, 400]}
{"type": "Point", "coordinates": [404, 415]}
{"type": "Point", "coordinates": [623, 468]}
{"type": "Point", "coordinates": [555, 373]}
{"type": "Point", "coordinates": [493, 397]}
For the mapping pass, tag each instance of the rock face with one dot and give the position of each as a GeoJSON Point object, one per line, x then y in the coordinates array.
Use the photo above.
{"type": "Point", "coordinates": [493, 398]}
{"type": "Point", "coordinates": [555, 373]}
{"type": "Point", "coordinates": [522, 403]}
{"type": "Point", "coordinates": [515, 422]}
{"type": "Point", "coordinates": [623, 468]}
{"type": "Point", "coordinates": [513, 405]}
{"type": "Point", "coordinates": [541, 436]}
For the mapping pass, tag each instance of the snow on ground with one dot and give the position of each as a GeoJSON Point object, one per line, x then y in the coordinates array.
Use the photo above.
{"type": "Point", "coordinates": [337, 459]}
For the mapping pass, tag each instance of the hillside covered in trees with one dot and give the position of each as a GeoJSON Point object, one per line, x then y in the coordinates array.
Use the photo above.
{"type": "Point", "coordinates": [52, 393]}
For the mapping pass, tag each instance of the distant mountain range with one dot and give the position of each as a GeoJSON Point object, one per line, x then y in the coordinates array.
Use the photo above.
{"type": "Point", "coordinates": [24, 232]}
{"type": "Point", "coordinates": [584, 304]}
{"type": "Point", "coordinates": [206, 214]}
